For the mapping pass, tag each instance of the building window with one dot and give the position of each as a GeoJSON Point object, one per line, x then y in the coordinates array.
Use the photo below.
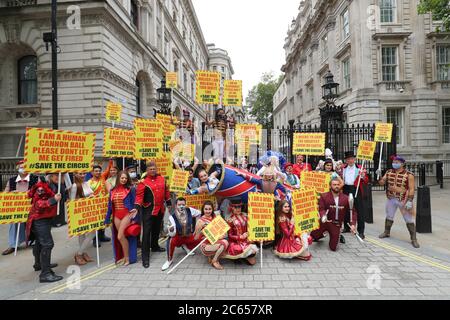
{"type": "Point", "coordinates": [346, 73]}
{"type": "Point", "coordinates": [138, 97]}
{"type": "Point", "coordinates": [166, 47]}
{"type": "Point", "coordinates": [27, 80]}
{"type": "Point", "coordinates": [223, 69]}
{"type": "Point", "coordinates": [443, 62]}
{"type": "Point", "coordinates": [389, 63]}
{"type": "Point", "coordinates": [345, 17]}
{"type": "Point", "coordinates": [446, 125]}
{"type": "Point", "coordinates": [214, 68]}
{"type": "Point", "coordinates": [175, 66]}
{"type": "Point", "coordinates": [396, 116]}
{"type": "Point", "coordinates": [134, 12]}
{"type": "Point", "coordinates": [387, 11]}
{"type": "Point", "coordinates": [325, 47]}
{"type": "Point", "coordinates": [185, 80]}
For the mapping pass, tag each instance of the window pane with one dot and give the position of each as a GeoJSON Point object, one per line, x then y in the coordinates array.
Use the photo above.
{"type": "Point", "coordinates": [446, 125]}
{"type": "Point", "coordinates": [28, 80]}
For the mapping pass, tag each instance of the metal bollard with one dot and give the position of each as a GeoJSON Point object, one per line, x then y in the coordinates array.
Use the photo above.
{"type": "Point", "coordinates": [440, 173]}
{"type": "Point", "coordinates": [422, 175]}
{"type": "Point", "coordinates": [423, 217]}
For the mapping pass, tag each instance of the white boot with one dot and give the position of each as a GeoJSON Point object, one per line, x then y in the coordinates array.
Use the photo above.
{"type": "Point", "coordinates": [167, 265]}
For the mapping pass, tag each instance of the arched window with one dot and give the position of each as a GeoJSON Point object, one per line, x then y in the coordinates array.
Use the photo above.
{"type": "Point", "coordinates": [27, 67]}
{"type": "Point", "coordinates": [138, 97]}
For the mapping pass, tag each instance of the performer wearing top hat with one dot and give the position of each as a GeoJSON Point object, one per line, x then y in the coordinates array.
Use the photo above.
{"type": "Point", "coordinates": [239, 245]}
{"type": "Point", "coordinates": [400, 194]}
{"type": "Point", "coordinates": [333, 207]}
{"type": "Point", "coordinates": [352, 175]}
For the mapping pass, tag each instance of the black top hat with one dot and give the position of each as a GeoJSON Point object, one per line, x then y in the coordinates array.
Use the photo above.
{"type": "Point", "coordinates": [349, 154]}
{"type": "Point", "coordinates": [236, 203]}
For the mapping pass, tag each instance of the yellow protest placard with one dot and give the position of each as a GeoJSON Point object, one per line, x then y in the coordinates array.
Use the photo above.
{"type": "Point", "coordinates": [207, 87]}
{"type": "Point", "coordinates": [250, 132]}
{"type": "Point", "coordinates": [49, 150]}
{"type": "Point", "coordinates": [305, 208]}
{"type": "Point", "coordinates": [366, 150]}
{"type": "Point", "coordinates": [168, 127]}
{"type": "Point", "coordinates": [118, 143]}
{"type": "Point", "coordinates": [14, 207]}
{"type": "Point", "coordinates": [383, 132]}
{"type": "Point", "coordinates": [86, 215]}
{"type": "Point", "coordinates": [179, 181]}
{"type": "Point", "coordinates": [197, 201]}
{"type": "Point", "coordinates": [172, 80]}
{"type": "Point", "coordinates": [232, 93]}
{"type": "Point", "coordinates": [243, 148]}
{"type": "Point", "coordinates": [216, 230]}
{"type": "Point", "coordinates": [164, 164]}
{"type": "Point", "coordinates": [149, 139]}
{"type": "Point", "coordinates": [182, 150]}
{"type": "Point", "coordinates": [319, 181]}
{"type": "Point", "coordinates": [309, 144]}
{"type": "Point", "coordinates": [113, 112]}
{"type": "Point", "coordinates": [261, 217]}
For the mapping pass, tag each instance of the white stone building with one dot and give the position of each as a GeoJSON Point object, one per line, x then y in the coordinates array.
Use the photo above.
{"type": "Point", "coordinates": [391, 65]}
{"type": "Point", "coordinates": [119, 52]}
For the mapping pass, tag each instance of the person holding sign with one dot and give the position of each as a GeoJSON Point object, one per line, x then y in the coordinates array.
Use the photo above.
{"type": "Point", "coordinates": [213, 252]}
{"type": "Point", "coordinates": [400, 195]}
{"type": "Point", "coordinates": [354, 176]}
{"type": "Point", "coordinates": [23, 182]}
{"type": "Point", "coordinates": [152, 196]}
{"type": "Point", "coordinates": [239, 246]}
{"type": "Point", "coordinates": [81, 189]}
{"type": "Point", "coordinates": [288, 245]}
{"type": "Point", "coordinates": [39, 225]}
{"type": "Point", "coordinates": [300, 166]}
{"type": "Point", "coordinates": [121, 209]}
{"type": "Point", "coordinates": [181, 230]}
{"type": "Point", "coordinates": [333, 208]}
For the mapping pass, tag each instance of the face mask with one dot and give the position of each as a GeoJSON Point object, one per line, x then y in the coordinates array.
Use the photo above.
{"type": "Point", "coordinates": [396, 166]}
{"type": "Point", "coordinates": [133, 175]}
{"type": "Point", "coordinates": [21, 171]}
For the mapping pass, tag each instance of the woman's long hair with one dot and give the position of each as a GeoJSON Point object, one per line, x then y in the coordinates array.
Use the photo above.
{"type": "Point", "coordinates": [129, 182]}
{"type": "Point", "coordinates": [79, 183]}
{"type": "Point", "coordinates": [279, 212]}
{"type": "Point", "coordinates": [208, 203]}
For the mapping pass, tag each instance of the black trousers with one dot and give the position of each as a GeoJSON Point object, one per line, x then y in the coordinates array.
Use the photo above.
{"type": "Point", "coordinates": [359, 208]}
{"type": "Point", "coordinates": [43, 245]}
{"type": "Point", "coordinates": [151, 227]}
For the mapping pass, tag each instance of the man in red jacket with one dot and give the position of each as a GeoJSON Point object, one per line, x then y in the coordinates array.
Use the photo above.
{"type": "Point", "coordinates": [333, 207]}
{"type": "Point", "coordinates": [152, 195]}
{"type": "Point", "coordinates": [301, 166]}
{"type": "Point", "coordinates": [43, 210]}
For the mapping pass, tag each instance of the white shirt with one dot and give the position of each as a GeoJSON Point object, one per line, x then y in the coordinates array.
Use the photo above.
{"type": "Point", "coordinates": [336, 201]}
{"type": "Point", "coordinates": [19, 179]}
{"type": "Point", "coordinates": [87, 191]}
{"type": "Point", "coordinates": [195, 213]}
{"type": "Point", "coordinates": [350, 175]}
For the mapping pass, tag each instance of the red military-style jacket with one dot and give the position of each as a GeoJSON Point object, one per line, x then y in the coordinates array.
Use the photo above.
{"type": "Point", "coordinates": [327, 204]}
{"type": "Point", "coordinates": [152, 194]}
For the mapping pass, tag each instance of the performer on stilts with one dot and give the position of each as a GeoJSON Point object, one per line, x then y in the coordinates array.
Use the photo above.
{"type": "Point", "coordinates": [239, 245]}
{"type": "Point", "coordinates": [400, 195]}
{"type": "Point", "coordinates": [181, 230]}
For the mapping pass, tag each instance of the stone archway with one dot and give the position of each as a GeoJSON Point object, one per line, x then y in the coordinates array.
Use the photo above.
{"type": "Point", "coordinates": [147, 93]}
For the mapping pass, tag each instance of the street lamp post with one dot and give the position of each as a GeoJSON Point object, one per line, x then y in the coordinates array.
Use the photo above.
{"type": "Point", "coordinates": [331, 112]}
{"type": "Point", "coordinates": [164, 98]}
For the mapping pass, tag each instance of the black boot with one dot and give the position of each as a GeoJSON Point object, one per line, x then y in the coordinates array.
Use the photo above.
{"type": "Point", "coordinates": [102, 237]}
{"type": "Point", "coordinates": [412, 231]}
{"type": "Point", "coordinates": [47, 274]}
{"type": "Point", "coordinates": [37, 267]}
{"type": "Point", "coordinates": [387, 229]}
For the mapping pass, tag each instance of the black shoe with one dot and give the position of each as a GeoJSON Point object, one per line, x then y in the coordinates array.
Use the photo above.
{"type": "Point", "coordinates": [341, 239]}
{"type": "Point", "coordinates": [146, 264]}
{"type": "Point", "coordinates": [139, 244]}
{"type": "Point", "coordinates": [51, 277]}
{"type": "Point", "coordinates": [94, 243]}
{"type": "Point", "coordinates": [362, 236]}
{"type": "Point", "coordinates": [105, 239]}
{"type": "Point", "coordinates": [159, 249]}
{"type": "Point", "coordinates": [38, 267]}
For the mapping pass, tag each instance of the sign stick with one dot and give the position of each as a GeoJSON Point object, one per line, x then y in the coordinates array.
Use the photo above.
{"type": "Point", "coordinates": [306, 162]}
{"type": "Point", "coordinates": [113, 124]}
{"type": "Point", "coordinates": [17, 239]}
{"type": "Point", "coordinates": [187, 256]}
{"type": "Point", "coordinates": [262, 255]}
{"type": "Point", "coordinates": [59, 191]}
{"type": "Point", "coordinates": [381, 157]}
{"type": "Point", "coordinates": [359, 181]}
{"type": "Point", "coordinates": [123, 164]}
{"type": "Point", "coordinates": [96, 244]}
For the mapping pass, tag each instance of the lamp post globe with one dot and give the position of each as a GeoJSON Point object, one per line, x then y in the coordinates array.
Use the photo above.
{"type": "Point", "coordinates": [164, 98]}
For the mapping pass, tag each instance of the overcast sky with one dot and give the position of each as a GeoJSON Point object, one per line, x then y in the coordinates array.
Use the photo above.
{"type": "Point", "coordinates": [252, 31]}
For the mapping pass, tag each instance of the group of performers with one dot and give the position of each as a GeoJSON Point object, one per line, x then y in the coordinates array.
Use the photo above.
{"type": "Point", "coordinates": [137, 209]}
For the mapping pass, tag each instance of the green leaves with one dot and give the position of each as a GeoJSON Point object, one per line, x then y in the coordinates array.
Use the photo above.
{"type": "Point", "coordinates": [440, 10]}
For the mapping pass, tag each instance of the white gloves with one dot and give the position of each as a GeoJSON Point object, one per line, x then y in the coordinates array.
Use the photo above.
{"type": "Point", "coordinates": [409, 205]}
{"type": "Point", "coordinates": [379, 173]}
{"type": "Point", "coordinates": [324, 219]}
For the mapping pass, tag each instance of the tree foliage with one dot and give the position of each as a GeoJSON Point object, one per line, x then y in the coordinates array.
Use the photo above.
{"type": "Point", "coordinates": [440, 10]}
{"type": "Point", "coordinates": [260, 99]}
